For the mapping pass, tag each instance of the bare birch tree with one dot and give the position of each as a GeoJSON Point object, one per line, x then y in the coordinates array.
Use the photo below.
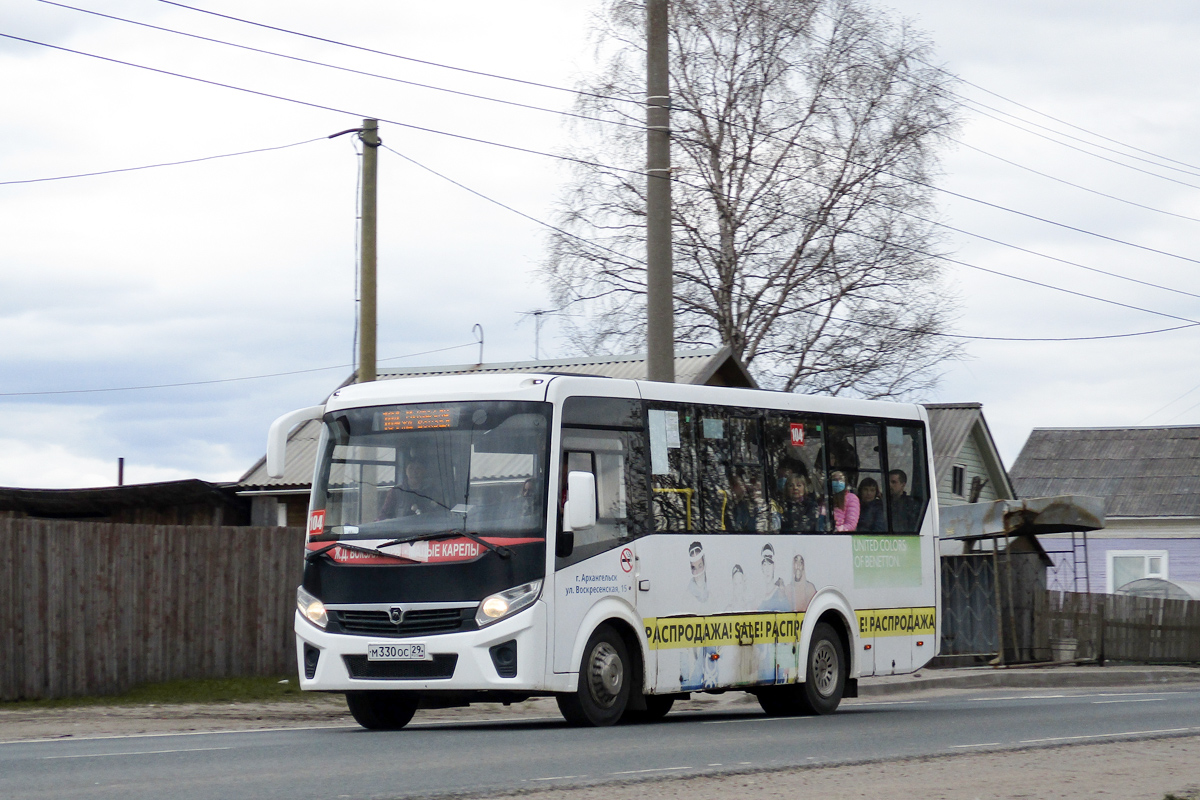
{"type": "Point", "coordinates": [804, 138]}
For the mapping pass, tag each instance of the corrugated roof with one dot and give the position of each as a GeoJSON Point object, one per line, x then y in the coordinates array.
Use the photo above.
{"type": "Point", "coordinates": [691, 366]}
{"type": "Point", "coordinates": [1141, 472]}
{"type": "Point", "coordinates": [949, 426]}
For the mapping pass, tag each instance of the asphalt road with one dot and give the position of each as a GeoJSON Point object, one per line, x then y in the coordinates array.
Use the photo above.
{"type": "Point", "coordinates": [436, 758]}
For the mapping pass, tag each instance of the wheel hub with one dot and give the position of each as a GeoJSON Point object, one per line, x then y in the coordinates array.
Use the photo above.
{"type": "Point", "coordinates": [606, 675]}
{"type": "Point", "coordinates": [825, 668]}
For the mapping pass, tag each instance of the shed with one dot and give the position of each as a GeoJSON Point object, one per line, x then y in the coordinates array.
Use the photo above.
{"type": "Point", "coordinates": [186, 502]}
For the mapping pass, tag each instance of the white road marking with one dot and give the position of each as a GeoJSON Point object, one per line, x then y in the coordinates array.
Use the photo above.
{"type": "Point", "coordinates": [138, 753]}
{"type": "Point", "coordinates": [981, 744]}
{"type": "Point", "coordinates": [747, 719]}
{"type": "Point", "coordinates": [1105, 735]}
{"type": "Point", "coordinates": [558, 778]}
{"type": "Point", "coordinates": [643, 771]}
{"type": "Point", "coordinates": [1021, 697]}
{"type": "Point", "coordinates": [887, 703]}
{"type": "Point", "coordinates": [1130, 700]}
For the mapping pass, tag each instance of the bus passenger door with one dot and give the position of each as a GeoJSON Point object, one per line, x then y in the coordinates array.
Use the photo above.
{"type": "Point", "coordinates": [596, 564]}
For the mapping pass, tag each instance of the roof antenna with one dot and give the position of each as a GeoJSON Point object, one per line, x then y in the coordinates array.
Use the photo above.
{"type": "Point", "coordinates": [477, 330]}
{"type": "Point", "coordinates": [537, 315]}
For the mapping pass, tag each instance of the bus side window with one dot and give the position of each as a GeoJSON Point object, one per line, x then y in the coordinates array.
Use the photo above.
{"type": "Point", "coordinates": [729, 453]}
{"type": "Point", "coordinates": [908, 478]}
{"type": "Point", "coordinates": [617, 460]}
{"type": "Point", "coordinates": [871, 486]}
{"type": "Point", "coordinates": [796, 479]}
{"type": "Point", "coordinates": [675, 496]}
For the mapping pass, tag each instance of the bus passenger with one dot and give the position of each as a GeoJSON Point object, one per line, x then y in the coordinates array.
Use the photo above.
{"type": "Point", "coordinates": [906, 509]}
{"type": "Point", "coordinates": [872, 517]}
{"type": "Point", "coordinates": [798, 512]}
{"type": "Point", "coordinates": [740, 512]}
{"type": "Point", "coordinates": [845, 503]}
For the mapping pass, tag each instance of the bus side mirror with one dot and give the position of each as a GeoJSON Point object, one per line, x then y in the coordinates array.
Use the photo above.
{"type": "Point", "coordinates": [277, 437]}
{"type": "Point", "coordinates": [580, 511]}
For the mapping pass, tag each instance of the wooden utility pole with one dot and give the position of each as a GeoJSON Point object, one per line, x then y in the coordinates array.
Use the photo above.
{"type": "Point", "coordinates": [660, 322]}
{"type": "Point", "coordinates": [366, 268]}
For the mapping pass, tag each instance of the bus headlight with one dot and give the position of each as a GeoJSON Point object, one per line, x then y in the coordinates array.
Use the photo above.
{"type": "Point", "coordinates": [311, 608]}
{"type": "Point", "coordinates": [503, 604]}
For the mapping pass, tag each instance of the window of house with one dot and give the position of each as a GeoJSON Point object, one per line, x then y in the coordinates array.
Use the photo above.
{"type": "Point", "coordinates": [1126, 566]}
{"type": "Point", "coordinates": [958, 480]}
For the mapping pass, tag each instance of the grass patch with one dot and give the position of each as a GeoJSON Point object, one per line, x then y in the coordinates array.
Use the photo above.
{"type": "Point", "coordinates": [209, 690]}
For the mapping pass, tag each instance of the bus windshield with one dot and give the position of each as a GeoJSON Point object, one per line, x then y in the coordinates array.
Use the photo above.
{"type": "Point", "coordinates": [427, 469]}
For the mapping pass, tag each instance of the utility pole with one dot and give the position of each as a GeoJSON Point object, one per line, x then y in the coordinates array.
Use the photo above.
{"type": "Point", "coordinates": [660, 322]}
{"type": "Point", "coordinates": [366, 269]}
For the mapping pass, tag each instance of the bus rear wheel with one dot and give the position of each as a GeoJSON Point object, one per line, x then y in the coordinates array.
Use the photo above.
{"type": "Point", "coordinates": [382, 711]}
{"type": "Point", "coordinates": [824, 679]}
{"type": "Point", "coordinates": [604, 674]}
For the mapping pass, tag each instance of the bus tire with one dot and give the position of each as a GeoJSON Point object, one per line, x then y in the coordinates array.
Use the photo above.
{"type": "Point", "coordinates": [604, 682]}
{"type": "Point", "coordinates": [825, 680]}
{"type": "Point", "coordinates": [657, 707]}
{"type": "Point", "coordinates": [825, 672]}
{"type": "Point", "coordinates": [382, 711]}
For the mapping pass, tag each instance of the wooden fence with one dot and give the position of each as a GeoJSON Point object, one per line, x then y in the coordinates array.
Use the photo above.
{"type": "Point", "coordinates": [96, 608]}
{"type": "Point", "coordinates": [1110, 627]}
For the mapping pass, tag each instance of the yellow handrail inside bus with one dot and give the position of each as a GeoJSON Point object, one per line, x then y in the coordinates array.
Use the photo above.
{"type": "Point", "coordinates": [687, 493]}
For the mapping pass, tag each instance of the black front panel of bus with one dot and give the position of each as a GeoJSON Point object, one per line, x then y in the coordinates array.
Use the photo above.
{"type": "Point", "coordinates": [463, 581]}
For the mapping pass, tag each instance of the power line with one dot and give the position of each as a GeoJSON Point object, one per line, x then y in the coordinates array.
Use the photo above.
{"type": "Point", "coordinates": [1089, 153]}
{"type": "Point", "coordinates": [1189, 323]}
{"type": "Point", "coordinates": [531, 151]}
{"type": "Point", "coordinates": [164, 164]}
{"type": "Point", "coordinates": [363, 73]}
{"type": "Point", "coordinates": [639, 172]}
{"type": "Point", "coordinates": [307, 104]}
{"type": "Point", "coordinates": [964, 101]}
{"type": "Point", "coordinates": [1069, 183]}
{"type": "Point", "coordinates": [222, 380]}
{"type": "Point", "coordinates": [396, 55]}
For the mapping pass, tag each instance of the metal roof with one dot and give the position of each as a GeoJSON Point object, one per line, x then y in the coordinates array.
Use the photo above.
{"type": "Point", "coordinates": [1141, 472]}
{"type": "Point", "coordinates": [949, 426]}
{"type": "Point", "coordinates": [714, 367]}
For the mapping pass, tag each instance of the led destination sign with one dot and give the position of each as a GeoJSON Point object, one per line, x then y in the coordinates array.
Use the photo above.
{"type": "Point", "coordinates": [415, 419]}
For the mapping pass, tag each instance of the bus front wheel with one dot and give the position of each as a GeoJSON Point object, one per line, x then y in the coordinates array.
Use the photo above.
{"type": "Point", "coordinates": [382, 711]}
{"type": "Point", "coordinates": [604, 674]}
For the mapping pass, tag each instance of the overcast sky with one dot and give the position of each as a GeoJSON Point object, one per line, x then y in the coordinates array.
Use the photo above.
{"type": "Point", "coordinates": [244, 266]}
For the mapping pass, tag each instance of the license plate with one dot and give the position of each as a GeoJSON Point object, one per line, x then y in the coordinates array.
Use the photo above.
{"type": "Point", "coordinates": [410, 651]}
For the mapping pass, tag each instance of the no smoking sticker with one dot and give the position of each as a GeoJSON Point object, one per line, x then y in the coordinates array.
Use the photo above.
{"type": "Point", "coordinates": [627, 560]}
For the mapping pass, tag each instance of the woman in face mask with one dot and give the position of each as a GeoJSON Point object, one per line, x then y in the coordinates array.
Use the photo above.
{"type": "Point", "coordinates": [845, 503]}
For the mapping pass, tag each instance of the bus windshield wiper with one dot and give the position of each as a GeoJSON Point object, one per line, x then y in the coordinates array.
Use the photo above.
{"type": "Point", "coordinates": [375, 551]}
{"type": "Point", "coordinates": [498, 549]}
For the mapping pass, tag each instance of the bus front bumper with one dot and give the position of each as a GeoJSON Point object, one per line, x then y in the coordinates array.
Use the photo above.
{"type": "Point", "coordinates": [467, 661]}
